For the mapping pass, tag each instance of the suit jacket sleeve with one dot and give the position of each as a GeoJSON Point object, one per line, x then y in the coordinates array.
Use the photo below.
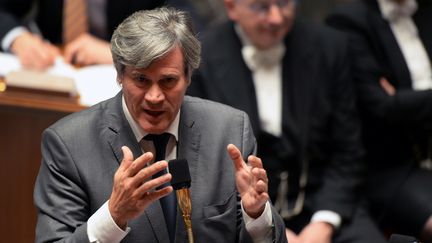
{"type": "Point", "coordinates": [59, 197]}
{"type": "Point", "coordinates": [341, 175]}
{"type": "Point", "coordinates": [407, 107]}
{"type": "Point", "coordinates": [11, 14]}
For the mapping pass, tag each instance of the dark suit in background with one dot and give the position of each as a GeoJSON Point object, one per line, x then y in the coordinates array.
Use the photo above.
{"type": "Point", "coordinates": [49, 14]}
{"type": "Point", "coordinates": [319, 122]}
{"type": "Point", "coordinates": [397, 128]}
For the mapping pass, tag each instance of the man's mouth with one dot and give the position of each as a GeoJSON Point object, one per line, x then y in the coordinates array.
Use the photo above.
{"type": "Point", "coordinates": [154, 113]}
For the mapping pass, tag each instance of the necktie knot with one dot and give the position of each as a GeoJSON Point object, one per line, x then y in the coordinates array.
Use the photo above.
{"type": "Point", "coordinates": [160, 142]}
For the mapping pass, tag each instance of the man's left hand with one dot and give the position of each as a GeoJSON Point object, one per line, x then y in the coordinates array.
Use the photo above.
{"type": "Point", "coordinates": [251, 181]}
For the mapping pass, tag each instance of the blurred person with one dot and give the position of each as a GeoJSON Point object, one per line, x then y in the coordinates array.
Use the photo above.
{"type": "Point", "coordinates": [32, 30]}
{"type": "Point", "coordinates": [98, 181]}
{"type": "Point", "coordinates": [293, 80]}
{"type": "Point", "coordinates": [391, 48]}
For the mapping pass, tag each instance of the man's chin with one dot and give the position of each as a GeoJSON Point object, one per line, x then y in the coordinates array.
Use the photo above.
{"type": "Point", "coordinates": [154, 128]}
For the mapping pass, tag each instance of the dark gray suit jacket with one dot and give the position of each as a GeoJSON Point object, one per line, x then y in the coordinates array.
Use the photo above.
{"type": "Point", "coordinates": [82, 152]}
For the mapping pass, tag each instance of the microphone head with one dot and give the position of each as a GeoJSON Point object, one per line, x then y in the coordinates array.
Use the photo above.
{"type": "Point", "coordinates": [396, 238]}
{"type": "Point", "coordinates": [179, 170]}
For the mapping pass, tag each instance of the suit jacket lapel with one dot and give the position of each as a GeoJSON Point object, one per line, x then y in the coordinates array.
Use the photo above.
{"type": "Point", "coordinates": [121, 135]}
{"type": "Point", "coordinates": [234, 78]}
{"type": "Point", "coordinates": [391, 48]}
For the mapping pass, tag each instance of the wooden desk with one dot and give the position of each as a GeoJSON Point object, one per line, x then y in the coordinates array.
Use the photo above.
{"type": "Point", "coordinates": [23, 117]}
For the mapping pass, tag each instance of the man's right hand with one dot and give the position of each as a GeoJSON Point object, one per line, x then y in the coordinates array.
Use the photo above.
{"type": "Point", "coordinates": [134, 189]}
{"type": "Point", "coordinates": [34, 52]}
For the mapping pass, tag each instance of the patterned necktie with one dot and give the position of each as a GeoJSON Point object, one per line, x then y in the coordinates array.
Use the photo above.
{"type": "Point", "coordinates": [75, 19]}
{"type": "Point", "coordinates": [169, 202]}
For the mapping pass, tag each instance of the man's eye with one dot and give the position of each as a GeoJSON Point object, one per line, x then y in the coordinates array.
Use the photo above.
{"type": "Point", "coordinates": [141, 80]}
{"type": "Point", "coordinates": [169, 82]}
{"type": "Point", "coordinates": [260, 7]}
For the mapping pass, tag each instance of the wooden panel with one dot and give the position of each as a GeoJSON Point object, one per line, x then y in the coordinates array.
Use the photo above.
{"type": "Point", "coordinates": [23, 118]}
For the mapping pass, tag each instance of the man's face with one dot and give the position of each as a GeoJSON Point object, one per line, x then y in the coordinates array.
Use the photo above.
{"type": "Point", "coordinates": [265, 22]}
{"type": "Point", "coordinates": [154, 94]}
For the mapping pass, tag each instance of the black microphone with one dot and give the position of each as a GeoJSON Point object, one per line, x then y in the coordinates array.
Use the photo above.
{"type": "Point", "coordinates": [181, 182]}
{"type": "Point", "coordinates": [396, 238]}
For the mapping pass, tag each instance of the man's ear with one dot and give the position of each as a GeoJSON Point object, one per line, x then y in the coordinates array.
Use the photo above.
{"type": "Point", "coordinates": [119, 80]}
{"type": "Point", "coordinates": [230, 6]}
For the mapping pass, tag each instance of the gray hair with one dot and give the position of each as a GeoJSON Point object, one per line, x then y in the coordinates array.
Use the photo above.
{"type": "Point", "coordinates": [150, 34]}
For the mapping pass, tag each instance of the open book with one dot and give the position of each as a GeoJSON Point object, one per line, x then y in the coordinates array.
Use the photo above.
{"type": "Point", "coordinates": [92, 83]}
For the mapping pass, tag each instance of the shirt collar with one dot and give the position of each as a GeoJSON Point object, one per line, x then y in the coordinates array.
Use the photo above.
{"type": "Point", "coordinates": [140, 133]}
{"type": "Point", "coordinates": [392, 11]}
{"type": "Point", "coordinates": [255, 58]}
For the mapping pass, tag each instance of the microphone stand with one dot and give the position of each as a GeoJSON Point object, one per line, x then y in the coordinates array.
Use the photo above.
{"type": "Point", "coordinates": [183, 197]}
{"type": "Point", "coordinates": [181, 181]}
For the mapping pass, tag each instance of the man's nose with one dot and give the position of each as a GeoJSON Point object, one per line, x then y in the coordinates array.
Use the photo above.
{"type": "Point", "coordinates": [275, 14]}
{"type": "Point", "coordinates": [154, 94]}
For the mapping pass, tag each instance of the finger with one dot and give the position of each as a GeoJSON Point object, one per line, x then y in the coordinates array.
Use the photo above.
{"type": "Point", "coordinates": [388, 88]}
{"type": "Point", "coordinates": [138, 164]}
{"type": "Point", "coordinates": [261, 187]}
{"type": "Point", "coordinates": [255, 161]}
{"type": "Point", "coordinates": [80, 58]}
{"type": "Point", "coordinates": [127, 158]}
{"type": "Point", "coordinates": [40, 57]}
{"type": "Point", "coordinates": [236, 156]}
{"type": "Point", "coordinates": [144, 174]}
{"type": "Point", "coordinates": [53, 51]}
{"type": "Point", "coordinates": [260, 174]}
{"type": "Point", "coordinates": [151, 196]}
{"type": "Point", "coordinates": [152, 184]}
{"type": "Point", "coordinates": [71, 50]}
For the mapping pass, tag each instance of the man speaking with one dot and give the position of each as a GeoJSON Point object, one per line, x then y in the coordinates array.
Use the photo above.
{"type": "Point", "coordinates": [104, 177]}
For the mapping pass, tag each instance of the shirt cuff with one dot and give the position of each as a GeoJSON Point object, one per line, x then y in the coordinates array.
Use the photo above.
{"type": "Point", "coordinates": [11, 36]}
{"type": "Point", "coordinates": [102, 228]}
{"type": "Point", "coordinates": [260, 228]}
{"type": "Point", "coordinates": [328, 217]}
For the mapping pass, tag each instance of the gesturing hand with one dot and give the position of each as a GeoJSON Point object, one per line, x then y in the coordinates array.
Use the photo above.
{"type": "Point", "coordinates": [251, 181]}
{"type": "Point", "coordinates": [134, 188]}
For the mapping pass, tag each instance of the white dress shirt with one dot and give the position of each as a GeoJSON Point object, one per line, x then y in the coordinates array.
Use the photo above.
{"type": "Point", "coordinates": [406, 34]}
{"type": "Point", "coordinates": [102, 228]}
